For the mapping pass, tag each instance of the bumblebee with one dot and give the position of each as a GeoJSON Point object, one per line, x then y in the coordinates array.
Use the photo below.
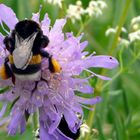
{"type": "Point", "coordinates": [25, 45]}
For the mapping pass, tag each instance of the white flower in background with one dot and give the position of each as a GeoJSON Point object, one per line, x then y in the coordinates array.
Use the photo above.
{"type": "Point", "coordinates": [134, 36]}
{"type": "Point", "coordinates": [101, 4]}
{"type": "Point", "coordinates": [74, 12]}
{"type": "Point", "coordinates": [124, 42]}
{"type": "Point", "coordinates": [110, 31]}
{"type": "Point", "coordinates": [55, 2]}
{"type": "Point", "coordinates": [135, 20]}
{"type": "Point", "coordinates": [95, 132]}
{"type": "Point", "coordinates": [135, 23]}
{"type": "Point", "coordinates": [95, 8]}
{"type": "Point", "coordinates": [84, 129]}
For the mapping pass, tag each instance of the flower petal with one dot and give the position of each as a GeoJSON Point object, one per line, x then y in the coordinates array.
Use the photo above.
{"type": "Point", "coordinates": [15, 121]}
{"type": "Point", "coordinates": [8, 16]}
{"type": "Point", "coordinates": [1, 40]}
{"type": "Point", "coordinates": [22, 125]}
{"type": "Point", "coordinates": [35, 17]}
{"type": "Point", "coordinates": [4, 120]}
{"type": "Point", "coordinates": [45, 24]}
{"type": "Point", "coordinates": [102, 61]}
{"type": "Point", "coordinates": [71, 120]}
{"type": "Point", "coordinates": [3, 110]}
{"type": "Point", "coordinates": [82, 85]}
{"type": "Point", "coordinates": [87, 101]}
{"type": "Point", "coordinates": [56, 36]}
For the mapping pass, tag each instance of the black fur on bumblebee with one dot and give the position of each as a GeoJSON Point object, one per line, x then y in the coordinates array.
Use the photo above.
{"type": "Point", "coordinates": [25, 45]}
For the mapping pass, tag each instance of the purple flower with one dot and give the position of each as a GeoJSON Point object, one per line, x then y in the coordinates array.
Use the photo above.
{"type": "Point", "coordinates": [54, 95]}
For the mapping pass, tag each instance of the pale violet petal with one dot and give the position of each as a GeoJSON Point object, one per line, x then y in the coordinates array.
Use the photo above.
{"type": "Point", "coordinates": [3, 110]}
{"type": "Point", "coordinates": [8, 16]}
{"type": "Point", "coordinates": [45, 24]}
{"type": "Point", "coordinates": [56, 36]}
{"type": "Point", "coordinates": [1, 40]}
{"type": "Point", "coordinates": [102, 61]}
{"type": "Point", "coordinates": [88, 101]}
{"type": "Point", "coordinates": [35, 17]}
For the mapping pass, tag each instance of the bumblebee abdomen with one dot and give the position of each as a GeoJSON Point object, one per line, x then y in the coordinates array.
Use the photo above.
{"type": "Point", "coordinates": [33, 68]}
{"type": "Point", "coordinates": [29, 70]}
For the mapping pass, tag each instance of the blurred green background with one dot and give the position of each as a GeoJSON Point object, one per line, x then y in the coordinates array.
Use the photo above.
{"type": "Point", "coordinates": [117, 117]}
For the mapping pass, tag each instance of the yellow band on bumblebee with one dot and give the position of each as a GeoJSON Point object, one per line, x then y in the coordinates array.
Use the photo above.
{"type": "Point", "coordinates": [56, 66]}
{"type": "Point", "coordinates": [35, 59]}
{"type": "Point", "coordinates": [3, 73]}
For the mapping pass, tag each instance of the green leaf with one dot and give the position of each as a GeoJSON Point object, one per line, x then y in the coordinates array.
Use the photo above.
{"type": "Point", "coordinates": [3, 90]}
{"type": "Point", "coordinates": [119, 126]}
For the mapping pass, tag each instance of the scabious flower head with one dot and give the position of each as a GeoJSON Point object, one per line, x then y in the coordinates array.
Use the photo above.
{"type": "Point", "coordinates": [54, 94]}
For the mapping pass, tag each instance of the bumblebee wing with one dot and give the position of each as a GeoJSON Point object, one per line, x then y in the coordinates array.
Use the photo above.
{"type": "Point", "coordinates": [23, 51]}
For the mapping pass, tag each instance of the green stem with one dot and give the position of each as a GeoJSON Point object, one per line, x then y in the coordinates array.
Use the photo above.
{"type": "Point", "coordinates": [125, 102]}
{"type": "Point", "coordinates": [83, 26]}
{"type": "Point", "coordinates": [120, 25]}
{"type": "Point", "coordinates": [35, 121]}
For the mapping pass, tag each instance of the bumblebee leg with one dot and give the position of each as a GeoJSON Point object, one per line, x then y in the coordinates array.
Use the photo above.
{"type": "Point", "coordinates": [44, 54]}
{"type": "Point", "coordinates": [5, 70]}
{"type": "Point", "coordinates": [54, 66]}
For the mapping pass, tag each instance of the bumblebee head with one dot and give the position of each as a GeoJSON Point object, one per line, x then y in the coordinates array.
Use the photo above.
{"type": "Point", "coordinates": [24, 29]}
